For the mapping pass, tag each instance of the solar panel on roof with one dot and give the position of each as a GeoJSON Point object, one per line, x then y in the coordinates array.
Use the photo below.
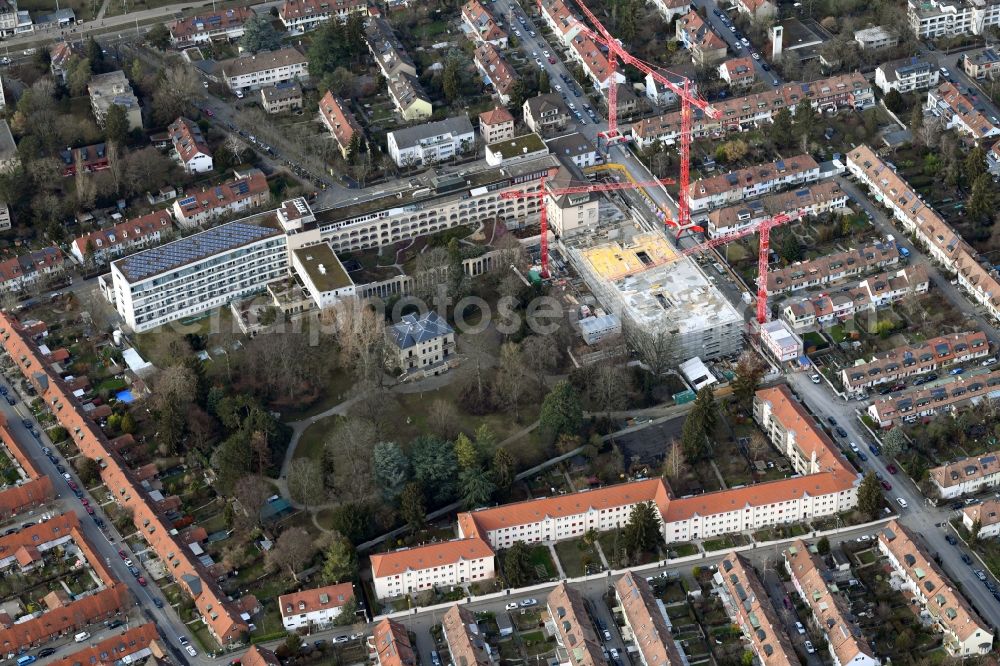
{"type": "Point", "coordinates": [988, 460]}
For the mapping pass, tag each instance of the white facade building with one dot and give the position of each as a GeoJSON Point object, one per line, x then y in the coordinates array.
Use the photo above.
{"type": "Point", "coordinates": [267, 68]}
{"type": "Point", "coordinates": [314, 609]}
{"type": "Point", "coordinates": [200, 272]}
{"type": "Point", "coordinates": [906, 75]}
{"type": "Point", "coordinates": [431, 142]}
{"type": "Point", "coordinates": [440, 564]}
{"type": "Point", "coordinates": [781, 341]}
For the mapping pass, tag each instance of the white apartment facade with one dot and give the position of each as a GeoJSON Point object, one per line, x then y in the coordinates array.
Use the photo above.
{"type": "Point", "coordinates": [314, 609]}
{"type": "Point", "coordinates": [987, 513]}
{"type": "Point", "coordinates": [299, 16]}
{"type": "Point", "coordinates": [192, 275]}
{"type": "Point", "coordinates": [906, 75]}
{"type": "Point", "coordinates": [441, 564]}
{"type": "Point", "coordinates": [751, 182]}
{"type": "Point", "coordinates": [949, 18]}
{"type": "Point", "coordinates": [966, 476]}
{"type": "Point", "coordinates": [268, 68]}
{"type": "Point", "coordinates": [431, 142]}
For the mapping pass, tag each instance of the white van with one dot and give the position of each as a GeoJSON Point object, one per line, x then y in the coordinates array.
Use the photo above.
{"type": "Point", "coordinates": [82, 636]}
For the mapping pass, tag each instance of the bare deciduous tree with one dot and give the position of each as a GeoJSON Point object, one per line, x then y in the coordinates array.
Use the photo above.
{"type": "Point", "coordinates": [442, 418]}
{"type": "Point", "coordinates": [511, 378]}
{"type": "Point", "coordinates": [757, 446]}
{"type": "Point", "coordinates": [252, 492]}
{"type": "Point", "coordinates": [655, 348]}
{"type": "Point", "coordinates": [349, 452]}
{"type": "Point", "coordinates": [305, 482]}
{"type": "Point", "coordinates": [293, 550]}
{"type": "Point", "coordinates": [360, 333]}
{"type": "Point", "coordinates": [674, 464]}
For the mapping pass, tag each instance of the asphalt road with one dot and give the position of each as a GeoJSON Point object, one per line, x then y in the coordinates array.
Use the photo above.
{"type": "Point", "coordinates": [105, 543]}
{"type": "Point", "coordinates": [771, 77]}
{"type": "Point", "coordinates": [982, 102]}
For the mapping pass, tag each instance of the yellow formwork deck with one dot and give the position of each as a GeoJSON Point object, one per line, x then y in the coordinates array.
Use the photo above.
{"type": "Point", "coordinates": [613, 261]}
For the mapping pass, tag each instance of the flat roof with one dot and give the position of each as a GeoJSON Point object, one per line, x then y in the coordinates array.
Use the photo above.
{"type": "Point", "coordinates": [156, 260]}
{"type": "Point", "coordinates": [520, 145]}
{"type": "Point", "coordinates": [612, 261]}
{"type": "Point", "coordinates": [323, 267]}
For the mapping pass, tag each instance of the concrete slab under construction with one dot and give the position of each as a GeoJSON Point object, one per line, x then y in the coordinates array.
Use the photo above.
{"type": "Point", "coordinates": [672, 295]}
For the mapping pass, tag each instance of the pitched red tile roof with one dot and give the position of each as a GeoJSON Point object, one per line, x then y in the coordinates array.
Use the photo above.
{"type": "Point", "coordinates": [429, 555]}
{"type": "Point", "coordinates": [112, 650]}
{"type": "Point", "coordinates": [338, 119]}
{"type": "Point", "coordinates": [496, 116]}
{"type": "Point", "coordinates": [316, 599]}
{"type": "Point", "coordinates": [187, 139]}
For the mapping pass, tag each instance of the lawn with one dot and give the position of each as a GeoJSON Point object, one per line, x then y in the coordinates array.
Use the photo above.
{"type": "Point", "coordinates": [541, 559]}
{"type": "Point", "coordinates": [335, 392]}
{"type": "Point", "coordinates": [575, 555]}
{"type": "Point", "coordinates": [682, 549]}
{"type": "Point", "coordinates": [84, 9]}
{"type": "Point", "coordinates": [312, 442]}
{"type": "Point", "coordinates": [728, 541]}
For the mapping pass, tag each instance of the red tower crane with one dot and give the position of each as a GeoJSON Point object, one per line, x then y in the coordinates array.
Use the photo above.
{"type": "Point", "coordinates": [764, 229]}
{"type": "Point", "coordinates": [574, 189]}
{"type": "Point", "coordinates": [688, 100]}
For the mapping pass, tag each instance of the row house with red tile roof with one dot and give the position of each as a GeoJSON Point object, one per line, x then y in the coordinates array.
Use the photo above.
{"type": "Point", "coordinates": [645, 627]}
{"type": "Point", "coordinates": [811, 579]}
{"type": "Point", "coordinates": [466, 641]}
{"type": "Point", "coordinates": [35, 487]}
{"type": "Point", "coordinates": [132, 646]}
{"type": "Point", "coordinates": [965, 633]}
{"type": "Point", "coordinates": [869, 295]}
{"type": "Point", "coordinates": [315, 608]}
{"type": "Point", "coordinates": [987, 514]}
{"type": "Point", "coordinates": [753, 181]}
{"type": "Point", "coordinates": [923, 402]}
{"type": "Point", "coordinates": [738, 72]}
{"type": "Point", "coordinates": [707, 48]}
{"type": "Point", "coordinates": [245, 193]}
{"type": "Point", "coordinates": [908, 360]}
{"type": "Point", "coordinates": [339, 121]}
{"type": "Point", "coordinates": [826, 484]}
{"type": "Point", "coordinates": [594, 61]}
{"type": "Point", "coordinates": [190, 148]}
{"type": "Point", "coordinates": [87, 159]}
{"type": "Point", "coordinates": [832, 267]}
{"type": "Point", "coordinates": [958, 112]}
{"type": "Point", "coordinates": [671, 8]}
{"type": "Point", "coordinates": [23, 271]}
{"type": "Point", "coordinates": [389, 645]}
{"type": "Point", "coordinates": [495, 69]}
{"type": "Point", "coordinates": [483, 26]}
{"type": "Point", "coordinates": [202, 28]}
{"type": "Point", "coordinates": [747, 604]}
{"type": "Point", "coordinates": [576, 639]}
{"type": "Point", "coordinates": [223, 618]}
{"type": "Point", "coordinates": [810, 200]}
{"type": "Point", "coordinates": [966, 476]}
{"type": "Point", "coordinates": [942, 242]}
{"type": "Point", "coordinates": [560, 19]}
{"type": "Point", "coordinates": [443, 563]}
{"type": "Point", "coordinates": [299, 16]}
{"type": "Point", "coordinates": [742, 113]}
{"type": "Point", "coordinates": [757, 9]}
{"type": "Point", "coordinates": [101, 245]}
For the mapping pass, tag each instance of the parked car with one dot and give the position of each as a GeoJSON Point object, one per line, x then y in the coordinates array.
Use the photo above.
{"type": "Point", "coordinates": [799, 628]}
{"type": "Point", "coordinates": [875, 450]}
{"type": "Point", "coordinates": [887, 485]}
{"type": "Point", "coordinates": [891, 469]}
{"type": "Point", "coordinates": [901, 502]}
{"type": "Point", "coordinates": [526, 603]}
{"type": "Point", "coordinates": [967, 559]}
{"type": "Point", "coordinates": [956, 371]}
{"type": "Point", "coordinates": [841, 431]}
{"type": "Point", "coordinates": [46, 652]}
{"type": "Point", "coordinates": [950, 539]}
{"type": "Point", "coordinates": [157, 602]}
{"type": "Point", "coordinates": [832, 421]}
{"type": "Point", "coordinates": [981, 575]}
{"type": "Point", "coordinates": [190, 650]}
{"type": "Point", "coordinates": [809, 647]}
{"type": "Point", "coordinates": [141, 581]}
{"type": "Point", "coordinates": [511, 606]}
{"type": "Point", "coordinates": [816, 379]}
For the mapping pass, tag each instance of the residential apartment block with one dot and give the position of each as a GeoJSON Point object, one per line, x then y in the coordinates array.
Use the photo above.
{"type": "Point", "coordinates": [738, 72]}
{"type": "Point", "coordinates": [524, 147]}
{"type": "Point", "coordinates": [571, 214]}
{"type": "Point", "coordinates": [965, 633]}
{"type": "Point", "coordinates": [89, 159]}
{"type": "Point", "coordinates": [751, 182]}
{"type": "Point", "coordinates": [809, 201]}
{"type": "Point", "coordinates": [226, 24]}
{"type": "Point", "coordinates": [242, 195]}
{"type": "Point", "coordinates": [577, 643]}
{"type": "Point", "coordinates": [496, 71]}
{"type": "Point", "coordinates": [545, 114]}
{"type": "Point", "coordinates": [422, 345]}
{"type": "Point", "coordinates": [741, 113]}
{"type": "Point", "coordinates": [906, 361]}
{"type": "Point", "coordinates": [496, 125]}
{"type": "Point", "coordinates": [831, 268]}
{"type": "Point", "coordinates": [132, 646]}
{"type": "Point", "coordinates": [482, 25]}
{"type": "Point", "coordinates": [466, 642]}
{"type": "Point", "coordinates": [906, 75]}
{"type": "Point", "coordinates": [314, 609]}
{"type": "Point", "coordinates": [442, 203]}
{"type": "Point", "coordinates": [919, 219]}
{"type": "Point", "coordinates": [951, 18]}
{"type": "Point", "coordinates": [707, 48]}
{"type": "Point", "coordinates": [987, 515]}
{"type": "Point", "coordinates": [982, 65]}
{"type": "Point", "coordinates": [267, 68]}
{"type": "Point", "coordinates": [595, 63]}
{"type": "Point", "coordinates": [958, 112]}
{"type": "Point", "coordinates": [872, 39]}
{"type": "Point", "coordinates": [830, 612]}
{"type": "Point", "coordinates": [747, 603]}
{"type": "Point", "coordinates": [560, 19]}
{"type": "Point", "coordinates": [222, 617]}
{"type": "Point", "coordinates": [98, 246]}
{"type": "Point", "coordinates": [197, 273]}
{"type": "Point", "coordinates": [645, 626]}
{"type": "Point", "coordinates": [339, 121]}
{"type": "Point", "coordinates": [190, 148]}
{"type": "Point", "coordinates": [923, 402]}
{"type": "Point", "coordinates": [389, 645]}
{"type": "Point", "coordinates": [440, 564]}
{"type": "Point", "coordinates": [869, 295]}
{"type": "Point", "coordinates": [113, 89]}
{"type": "Point", "coordinates": [576, 149]}
{"type": "Point", "coordinates": [966, 476]}
{"type": "Point", "coordinates": [409, 98]}
{"type": "Point", "coordinates": [780, 341]}
{"type": "Point", "coordinates": [281, 97]}
{"type": "Point", "coordinates": [299, 16]}
{"type": "Point", "coordinates": [432, 142]}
